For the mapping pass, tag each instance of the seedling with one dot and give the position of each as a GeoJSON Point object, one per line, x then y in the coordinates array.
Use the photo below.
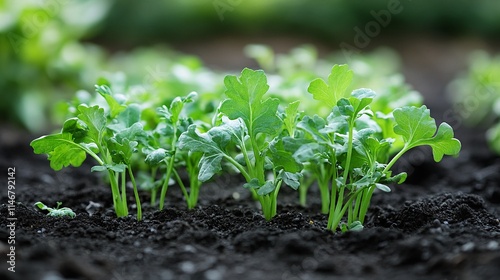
{"type": "Point", "coordinates": [249, 123]}
{"type": "Point", "coordinates": [111, 138]}
{"type": "Point", "coordinates": [57, 212]}
{"type": "Point", "coordinates": [348, 154]}
{"type": "Point", "coordinates": [164, 152]}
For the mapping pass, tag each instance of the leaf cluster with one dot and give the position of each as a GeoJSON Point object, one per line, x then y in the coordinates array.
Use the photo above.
{"type": "Point", "coordinates": [348, 152]}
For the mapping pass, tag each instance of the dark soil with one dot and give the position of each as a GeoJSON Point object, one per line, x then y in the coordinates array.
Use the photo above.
{"type": "Point", "coordinates": [443, 223]}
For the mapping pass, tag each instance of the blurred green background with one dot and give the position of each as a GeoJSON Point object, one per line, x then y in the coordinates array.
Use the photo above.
{"type": "Point", "coordinates": [50, 49]}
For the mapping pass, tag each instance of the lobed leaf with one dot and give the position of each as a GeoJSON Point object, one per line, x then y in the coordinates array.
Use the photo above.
{"type": "Point", "coordinates": [338, 81]}
{"type": "Point", "coordinates": [95, 119]}
{"type": "Point", "coordinates": [418, 128]}
{"type": "Point", "coordinates": [245, 100]}
{"type": "Point", "coordinates": [61, 149]}
{"type": "Point", "coordinates": [290, 119]}
{"type": "Point", "coordinates": [115, 107]}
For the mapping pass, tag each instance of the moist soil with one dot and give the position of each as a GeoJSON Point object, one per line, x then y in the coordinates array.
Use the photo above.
{"type": "Point", "coordinates": [442, 223]}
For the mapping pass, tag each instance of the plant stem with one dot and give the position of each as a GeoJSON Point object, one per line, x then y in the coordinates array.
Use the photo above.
{"type": "Point", "coordinates": [238, 166]}
{"type": "Point", "coordinates": [336, 219]}
{"type": "Point", "coordinates": [170, 167]}
{"type": "Point", "coordinates": [303, 188]}
{"type": "Point", "coordinates": [367, 196]}
{"type": "Point", "coordinates": [154, 190]}
{"type": "Point", "coordinates": [120, 210]}
{"type": "Point", "coordinates": [136, 193]}
{"type": "Point", "coordinates": [338, 208]}
{"type": "Point", "coordinates": [182, 186]}
{"type": "Point", "coordinates": [124, 188]}
{"type": "Point", "coordinates": [395, 158]}
{"type": "Point", "coordinates": [324, 190]}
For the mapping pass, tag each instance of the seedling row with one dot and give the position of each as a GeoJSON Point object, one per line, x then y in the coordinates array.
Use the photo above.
{"type": "Point", "coordinates": [347, 148]}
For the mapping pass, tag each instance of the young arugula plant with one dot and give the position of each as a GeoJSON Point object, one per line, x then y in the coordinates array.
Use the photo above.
{"type": "Point", "coordinates": [56, 212]}
{"type": "Point", "coordinates": [347, 154]}
{"type": "Point", "coordinates": [166, 153]}
{"type": "Point", "coordinates": [108, 137]}
{"type": "Point", "coordinates": [251, 123]}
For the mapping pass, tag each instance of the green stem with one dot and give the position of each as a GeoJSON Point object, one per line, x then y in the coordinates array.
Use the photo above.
{"type": "Point", "coordinates": [337, 209]}
{"type": "Point", "coordinates": [238, 166]}
{"type": "Point", "coordinates": [154, 189]}
{"type": "Point", "coordinates": [170, 167]}
{"type": "Point", "coordinates": [303, 188]}
{"type": "Point", "coordinates": [367, 196]}
{"type": "Point", "coordinates": [124, 189]}
{"type": "Point", "coordinates": [349, 153]}
{"type": "Point", "coordinates": [266, 206]}
{"type": "Point", "coordinates": [164, 187]}
{"type": "Point", "coordinates": [182, 186]}
{"type": "Point", "coordinates": [274, 201]}
{"type": "Point", "coordinates": [357, 204]}
{"type": "Point", "coordinates": [336, 219]}
{"type": "Point", "coordinates": [333, 202]}
{"type": "Point", "coordinates": [324, 190]}
{"type": "Point", "coordinates": [136, 193]}
{"type": "Point", "coordinates": [120, 210]}
{"type": "Point", "coordinates": [194, 187]}
{"type": "Point", "coordinates": [395, 158]}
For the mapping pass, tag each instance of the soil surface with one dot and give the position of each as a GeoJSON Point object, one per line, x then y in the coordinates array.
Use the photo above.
{"type": "Point", "coordinates": [443, 223]}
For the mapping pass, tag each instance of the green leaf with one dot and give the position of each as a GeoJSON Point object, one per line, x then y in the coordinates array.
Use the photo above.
{"type": "Point", "coordinates": [382, 187]}
{"type": "Point", "coordinates": [212, 144]}
{"type": "Point", "coordinates": [133, 132]}
{"type": "Point", "coordinates": [399, 178]}
{"type": "Point", "coordinates": [61, 149]}
{"type": "Point", "coordinates": [313, 126]}
{"type": "Point", "coordinates": [291, 117]}
{"type": "Point", "coordinates": [121, 152]}
{"type": "Point", "coordinates": [127, 118]}
{"type": "Point", "coordinates": [98, 168]}
{"type": "Point", "coordinates": [418, 128]}
{"type": "Point", "coordinates": [176, 109]}
{"type": "Point", "coordinates": [115, 107]}
{"type": "Point", "coordinates": [120, 167]}
{"type": "Point", "coordinates": [95, 120]}
{"type": "Point", "coordinates": [77, 128]}
{"type": "Point", "coordinates": [414, 123]}
{"type": "Point", "coordinates": [283, 159]}
{"type": "Point", "coordinates": [356, 103]}
{"type": "Point", "coordinates": [356, 226]}
{"type": "Point", "coordinates": [209, 166]}
{"type": "Point", "coordinates": [291, 179]}
{"type": "Point", "coordinates": [267, 188]}
{"type": "Point", "coordinates": [41, 205]}
{"type": "Point", "coordinates": [156, 157]}
{"type": "Point", "coordinates": [214, 141]}
{"type": "Point", "coordinates": [245, 100]}
{"type": "Point", "coordinates": [338, 81]}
